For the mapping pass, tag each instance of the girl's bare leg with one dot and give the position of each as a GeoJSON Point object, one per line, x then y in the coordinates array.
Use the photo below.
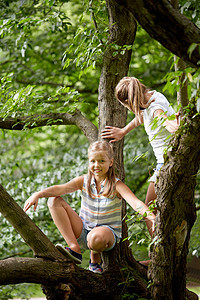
{"type": "Point", "coordinates": [95, 257]}
{"type": "Point", "coordinates": [99, 239]}
{"type": "Point", "coordinates": [151, 195]}
{"type": "Point", "coordinates": [67, 221]}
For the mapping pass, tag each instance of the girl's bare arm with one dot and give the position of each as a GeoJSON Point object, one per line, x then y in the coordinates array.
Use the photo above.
{"type": "Point", "coordinates": [170, 125]}
{"type": "Point", "coordinates": [54, 191]}
{"type": "Point", "coordinates": [136, 204]}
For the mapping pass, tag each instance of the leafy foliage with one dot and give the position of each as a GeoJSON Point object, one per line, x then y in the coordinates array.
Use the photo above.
{"type": "Point", "coordinates": [191, 9]}
{"type": "Point", "coordinates": [35, 36]}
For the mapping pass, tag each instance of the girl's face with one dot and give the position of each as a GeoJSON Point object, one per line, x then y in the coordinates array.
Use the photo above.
{"type": "Point", "coordinates": [99, 164]}
{"type": "Point", "coordinates": [125, 104]}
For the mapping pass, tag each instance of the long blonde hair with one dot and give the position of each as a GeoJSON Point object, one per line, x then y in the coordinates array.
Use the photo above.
{"type": "Point", "coordinates": [110, 184]}
{"type": "Point", "coordinates": [131, 93]}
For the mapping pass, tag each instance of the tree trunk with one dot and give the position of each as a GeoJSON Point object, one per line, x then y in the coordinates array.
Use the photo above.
{"type": "Point", "coordinates": [176, 211]}
{"type": "Point", "coordinates": [119, 264]}
{"type": "Point", "coordinates": [115, 66]}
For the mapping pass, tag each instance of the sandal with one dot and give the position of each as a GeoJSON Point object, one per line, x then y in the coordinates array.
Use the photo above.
{"type": "Point", "coordinates": [76, 257]}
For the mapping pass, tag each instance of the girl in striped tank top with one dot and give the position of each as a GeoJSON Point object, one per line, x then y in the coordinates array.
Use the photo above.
{"type": "Point", "coordinates": [98, 226]}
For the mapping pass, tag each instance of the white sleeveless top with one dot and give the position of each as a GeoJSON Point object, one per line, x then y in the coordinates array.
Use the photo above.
{"type": "Point", "coordinates": [157, 134]}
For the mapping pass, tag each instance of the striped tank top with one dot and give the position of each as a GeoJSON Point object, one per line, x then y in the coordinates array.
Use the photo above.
{"type": "Point", "coordinates": [100, 210]}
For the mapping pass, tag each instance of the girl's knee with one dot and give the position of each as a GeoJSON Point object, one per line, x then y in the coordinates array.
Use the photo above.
{"type": "Point", "coordinates": [96, 241]}
{"type": "Point", "coordinates": [53, 201]}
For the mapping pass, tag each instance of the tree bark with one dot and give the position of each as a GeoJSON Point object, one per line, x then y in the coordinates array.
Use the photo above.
{"type": "Point", "coordinates": [166, 25]}
{"type": "Point", "coordinates": [176, 211]}
{"type": "Point", "coordinates": [65, 279]}
{"type": "Point", "coordinates": [62, 279]}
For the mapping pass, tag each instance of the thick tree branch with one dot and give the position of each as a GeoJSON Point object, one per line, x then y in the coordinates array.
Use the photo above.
{"type": "Point", "coordinates": [167, 25]}
{"type": "Point", "coordinates": [36, 270]}
{"type": "Point", "coordinates": [33, 236]}
{"type": "Point", "coordinates": [88, 128]}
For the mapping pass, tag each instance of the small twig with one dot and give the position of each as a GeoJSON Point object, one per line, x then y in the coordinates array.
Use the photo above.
{"type": "Point", "coordinates": [94, 20]}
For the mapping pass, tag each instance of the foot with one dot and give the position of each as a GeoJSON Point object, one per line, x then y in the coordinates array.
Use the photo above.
{"type": "Point", "coordinates": [76, 257]}
{"type": "Point", "coordinates": [144, 262]}
{"type": "Point", "coordinates": [96, 268]}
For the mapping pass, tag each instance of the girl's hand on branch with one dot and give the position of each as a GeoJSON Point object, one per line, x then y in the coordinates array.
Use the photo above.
{"type": "Point", "coordinates": [33, 200]}
{"type": "Point", "coordinates": [113, 133]}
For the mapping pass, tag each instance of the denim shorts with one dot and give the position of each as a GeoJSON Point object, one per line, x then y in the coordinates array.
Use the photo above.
{"type": "Point", "coordinates": [156, 172]}
{"type": "Point", "coordinates": [82, 239]}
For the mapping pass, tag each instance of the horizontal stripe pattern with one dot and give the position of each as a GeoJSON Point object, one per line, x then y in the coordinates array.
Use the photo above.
{"type": "Point", "coordinates": [100, 210]}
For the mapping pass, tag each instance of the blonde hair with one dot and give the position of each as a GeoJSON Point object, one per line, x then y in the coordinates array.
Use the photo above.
{"type": "Point", "coordinates": [110, 184]}
{"type": "Point", "coordinates": [131, 93]}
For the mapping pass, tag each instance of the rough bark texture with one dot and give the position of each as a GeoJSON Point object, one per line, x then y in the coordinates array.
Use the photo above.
{"type": "Point", "coordinates": [167, 25]}
{"type": "Point", "coordinates": [119, 264]}
{"type": "Point", "coordinates": [176, 211]}
{"type": "Point", "coordinates": [63, 279]}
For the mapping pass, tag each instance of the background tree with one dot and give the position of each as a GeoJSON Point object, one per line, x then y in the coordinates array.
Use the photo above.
{"type": "Point", "coordinates": [48, 79]}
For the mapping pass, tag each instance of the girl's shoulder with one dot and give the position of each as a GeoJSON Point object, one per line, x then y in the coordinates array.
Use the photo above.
{"type": "Point", "coordinates": [76, 182]}
{"type": "Point", "coordinates": [157, 97]}
{"type": "Point", "coordinates": [158, 101]}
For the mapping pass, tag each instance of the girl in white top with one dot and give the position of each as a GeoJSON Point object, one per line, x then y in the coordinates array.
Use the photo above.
{"type": "Point", "coordinates": [146, 105]}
